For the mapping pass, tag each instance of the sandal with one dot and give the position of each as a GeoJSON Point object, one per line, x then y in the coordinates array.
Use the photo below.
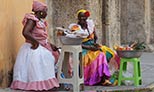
{"type": "Point", "coordinates": [67, 88]}
{"type": "Point", "coordinates": [107, 83]}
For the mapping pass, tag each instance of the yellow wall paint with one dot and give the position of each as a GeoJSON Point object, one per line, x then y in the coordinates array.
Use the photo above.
{"type": "Point", "coordinates": [11, 15]}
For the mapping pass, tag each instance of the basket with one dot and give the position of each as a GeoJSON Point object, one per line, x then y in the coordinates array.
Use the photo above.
{"type": "Point", "coordinates": [129, 53]}
{"type": "Point", "coordinates": [70, 41]}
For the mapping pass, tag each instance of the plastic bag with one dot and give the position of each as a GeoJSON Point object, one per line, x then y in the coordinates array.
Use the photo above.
{"type": "Point", "coordinates": [127, 82]}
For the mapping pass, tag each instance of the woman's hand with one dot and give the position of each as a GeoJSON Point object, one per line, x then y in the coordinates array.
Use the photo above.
{"type": "Point", "coordinates": [90, 47]}
{"type": "Point", "coordinates": [60, 33]}
{"type": "Point", "coordinates": [54, 48]}
{"type": "Point", "coordinates": [97, 45]}
{"type": "Point", "coordinates": [94, 48]}
{"type": "Point", "coordinates": [34, 45]}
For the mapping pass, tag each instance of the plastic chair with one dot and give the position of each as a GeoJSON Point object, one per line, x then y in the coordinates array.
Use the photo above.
{"type": "Point", "coordinates": [136, 78]}
{"type": "Point", "coordinates": [76, 79]}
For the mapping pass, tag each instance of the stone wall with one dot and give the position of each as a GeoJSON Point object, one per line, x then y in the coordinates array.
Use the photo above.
{"type": "Point", "coordinates": [137, 20]}
{"type": "Point", "coordinates": [117, 21]}
{"type": "Point", "coordinates": [113, 19]}
{"type": "Point", "coordinates": [132, 20]}
{"type": "Point", "coordinates": [152, 22]}
{"type": "Point", "coordinates": [63, 12]}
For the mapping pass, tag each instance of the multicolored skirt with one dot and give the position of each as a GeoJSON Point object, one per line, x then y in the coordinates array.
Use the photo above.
{"type": "Point", "coordinates": [96, 64]}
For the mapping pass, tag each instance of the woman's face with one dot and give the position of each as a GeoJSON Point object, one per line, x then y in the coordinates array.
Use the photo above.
{"type": "Point", "coordinates": [43, 13]}
{"type": "Point", "coordinates": [82, 18]}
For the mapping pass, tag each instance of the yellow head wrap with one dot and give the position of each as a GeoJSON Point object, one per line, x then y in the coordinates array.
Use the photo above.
{"type": "Point", "coordinates": [83, 11]}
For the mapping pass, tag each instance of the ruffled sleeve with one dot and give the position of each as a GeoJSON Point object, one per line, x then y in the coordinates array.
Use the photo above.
{"type": "Point", "coordinates": [29, 16]}
{"type": "Point", "coordinates": [91, 25]}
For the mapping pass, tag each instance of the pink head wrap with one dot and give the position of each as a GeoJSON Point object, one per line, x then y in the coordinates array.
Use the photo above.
{"type": "Point", "coordinates": [38, 6]}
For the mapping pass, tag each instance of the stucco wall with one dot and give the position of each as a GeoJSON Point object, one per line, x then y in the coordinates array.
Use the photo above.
{"type": "Point", "coordinates": [5, 47]}
{"type": "Point", "coordinates": [11, 15]}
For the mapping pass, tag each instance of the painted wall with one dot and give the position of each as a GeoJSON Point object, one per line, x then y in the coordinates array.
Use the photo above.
{"type": "Point", "coordinates": [11, 15]}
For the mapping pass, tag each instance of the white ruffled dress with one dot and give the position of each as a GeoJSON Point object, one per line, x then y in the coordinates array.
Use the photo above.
{"type": "Point", "coordinates": [34, 69]}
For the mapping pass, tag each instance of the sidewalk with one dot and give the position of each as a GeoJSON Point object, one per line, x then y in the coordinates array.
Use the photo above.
{"type": "Point", "coordinates": [147, 69]}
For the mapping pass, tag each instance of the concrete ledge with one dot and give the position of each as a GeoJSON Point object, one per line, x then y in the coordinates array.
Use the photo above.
{"type": "Point", "coordinates": [151, 86]}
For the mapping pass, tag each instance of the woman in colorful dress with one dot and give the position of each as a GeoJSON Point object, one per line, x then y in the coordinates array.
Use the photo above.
{"type": "Point", "coordinates": [34, 68]}
{"type": "Point", "coordinates": [95, 57]}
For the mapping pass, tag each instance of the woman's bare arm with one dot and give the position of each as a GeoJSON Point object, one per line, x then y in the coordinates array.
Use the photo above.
{"type": "Point", "coordinates": [29, 26]}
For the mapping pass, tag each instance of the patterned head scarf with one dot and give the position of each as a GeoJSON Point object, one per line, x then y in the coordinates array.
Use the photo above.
{"type": "Point", "coordinates": [38, 6]}
{"type": "Point", "coordinates": [86, 12]}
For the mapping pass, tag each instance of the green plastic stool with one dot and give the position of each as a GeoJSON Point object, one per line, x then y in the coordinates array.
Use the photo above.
{"type": "Point", "coordinates": [136, 73]}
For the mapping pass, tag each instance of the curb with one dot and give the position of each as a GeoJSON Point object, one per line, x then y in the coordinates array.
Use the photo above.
{"type": "Point", "coordinates": [151, 86]}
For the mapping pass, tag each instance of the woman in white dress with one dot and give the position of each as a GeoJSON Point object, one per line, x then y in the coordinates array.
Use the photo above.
{"type": "Point", "coordinates": [34, 67]}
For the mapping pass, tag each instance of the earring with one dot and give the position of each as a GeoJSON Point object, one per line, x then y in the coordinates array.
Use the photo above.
{"type": "Point", "coordinates": [41, 13]}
